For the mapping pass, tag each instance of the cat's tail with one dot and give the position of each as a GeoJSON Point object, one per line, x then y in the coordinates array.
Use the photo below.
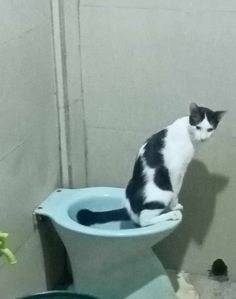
{"type": "Point", "coordinates": [88, 217]}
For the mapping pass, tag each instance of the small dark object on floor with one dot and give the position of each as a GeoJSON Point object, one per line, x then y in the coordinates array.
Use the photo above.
{"type": "Point", "coordinates": [218, 269]}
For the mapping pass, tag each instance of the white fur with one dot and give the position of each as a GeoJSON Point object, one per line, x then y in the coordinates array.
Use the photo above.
{"type": "Point", "coordinates": [150, 217]}
{"type": "Point", "coordinates": [178, 152]}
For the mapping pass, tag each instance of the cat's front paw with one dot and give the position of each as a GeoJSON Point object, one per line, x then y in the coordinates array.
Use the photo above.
{"type": "Point", "coordinates": [178, 207]}
{"type": "Point", "coordinates": [176, 215]}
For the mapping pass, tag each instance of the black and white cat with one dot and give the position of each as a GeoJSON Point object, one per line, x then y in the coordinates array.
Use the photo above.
{"type": "Point", "coordinates": [160, 166]}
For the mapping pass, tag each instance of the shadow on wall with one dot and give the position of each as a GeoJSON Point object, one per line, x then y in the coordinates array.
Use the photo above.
{"type": "Point", "coordinates": [198, 196]}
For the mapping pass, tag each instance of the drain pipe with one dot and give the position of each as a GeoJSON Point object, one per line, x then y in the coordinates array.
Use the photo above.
{"type": "Point", "coordinates": [62, 102]}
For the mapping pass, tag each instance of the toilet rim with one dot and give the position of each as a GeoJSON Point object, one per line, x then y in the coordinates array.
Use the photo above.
{"type": "Point", "coordinates": [62, 199]}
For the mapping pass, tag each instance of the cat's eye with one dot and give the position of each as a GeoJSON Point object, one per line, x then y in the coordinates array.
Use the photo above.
{"type": "Point", "coordinates": [210, 130]}
{"type": "Point", "coordinates": [198, 128]}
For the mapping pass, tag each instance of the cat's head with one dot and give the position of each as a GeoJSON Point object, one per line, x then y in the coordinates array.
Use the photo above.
{"type": "Point", "coordinates": [203, 122]}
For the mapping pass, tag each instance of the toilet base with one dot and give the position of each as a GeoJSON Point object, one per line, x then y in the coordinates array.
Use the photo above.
{"type": "Point", "coordinates": [112, 261]}
{"type": "Point", "coordinates": [140, 276]}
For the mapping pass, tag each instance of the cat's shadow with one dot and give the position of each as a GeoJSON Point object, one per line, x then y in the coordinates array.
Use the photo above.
{"type": "Point", "coordinates": [199, 193]}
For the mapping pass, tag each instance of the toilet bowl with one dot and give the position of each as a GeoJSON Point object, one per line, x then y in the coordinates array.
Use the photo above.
{"type": "Point", "coordinates": [112, 260]}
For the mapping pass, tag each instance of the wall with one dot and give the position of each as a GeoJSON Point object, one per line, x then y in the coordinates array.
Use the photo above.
{"type": "Point", "coordinates": [29, 155]}
{"type": "Point", "coordinates": [142, 63]}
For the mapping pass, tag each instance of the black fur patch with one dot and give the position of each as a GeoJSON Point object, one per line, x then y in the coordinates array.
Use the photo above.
{"type": "Point", "coordinates": [88, 217]}
{"type": "Point", "coordinates": [134, 189]}
{"type": "Point", "coordinates": [155, 144]}
{"type": "Point", "coordinates": [162, 178]}
{"type": "Point", "coordinates": [154, 159]}
{"type": "Point", "coordinates": [212, 118]}
{"type": "Point", "coordinates": [198, 114]}
{"type": "Point", "coordinates": [154, 205]}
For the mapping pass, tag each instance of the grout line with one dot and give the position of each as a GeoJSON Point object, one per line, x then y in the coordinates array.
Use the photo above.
{"type": "Point", "coordinates": [56, 92]}
{"type": "Point", "coordinates": [18, 37]}
{"type": "Point", "coordinates": [65, 88]}
{"type": "Point", "coordinates": [123, 129]}
{"type": "Point", "coordinates": [151, 8]}
{"type": "Point", "coordinates": [13, 149]}
{"type": "Point", "coordinates": [85, 137]}
{"type": "Point", "coordinates": [60, 92]}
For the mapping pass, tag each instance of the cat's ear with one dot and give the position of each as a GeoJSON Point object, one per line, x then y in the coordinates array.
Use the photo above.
{"type": "Point", "coordinates": [219, 115]}
{"type": "Point", "coordinates": [193, 108]}
{"type": "Point", "coordinates": [195, 115]}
